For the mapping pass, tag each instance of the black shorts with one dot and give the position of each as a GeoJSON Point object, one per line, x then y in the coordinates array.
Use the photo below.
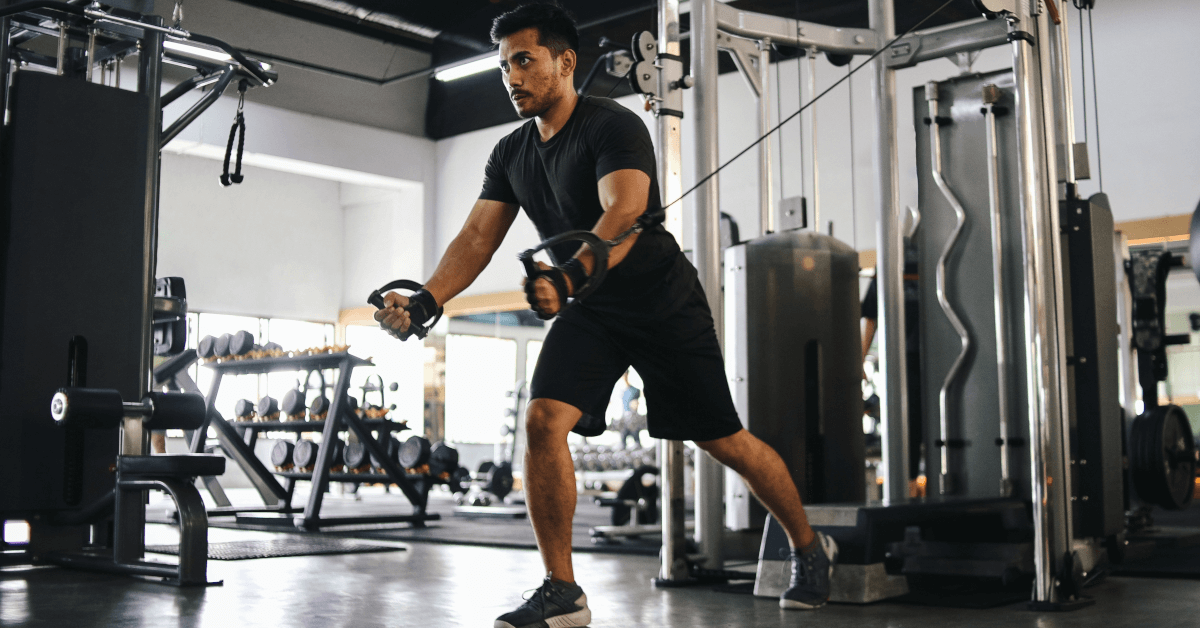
{"type": "Point", "coordinates": [678, 359]}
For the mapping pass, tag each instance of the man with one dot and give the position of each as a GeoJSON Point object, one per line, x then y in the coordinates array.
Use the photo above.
{"type": "Point", "coordinates": [588, 163]}
{"type": "Point", "coordinates": [630, 423]}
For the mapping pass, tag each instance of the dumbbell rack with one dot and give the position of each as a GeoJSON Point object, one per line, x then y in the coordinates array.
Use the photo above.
{"type": "Point", "coordinates": [242, 436]}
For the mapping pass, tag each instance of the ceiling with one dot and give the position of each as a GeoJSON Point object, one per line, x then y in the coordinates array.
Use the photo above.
{"type": "Point", "coordinates": [332, 54]}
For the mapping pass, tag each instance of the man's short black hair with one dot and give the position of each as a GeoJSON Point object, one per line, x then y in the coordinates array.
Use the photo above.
{"type": "Point", "coordinates": [556, 27]}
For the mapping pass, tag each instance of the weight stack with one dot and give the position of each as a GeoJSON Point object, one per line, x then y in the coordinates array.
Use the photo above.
{"type": "Point", "coordinates": [793, 357]}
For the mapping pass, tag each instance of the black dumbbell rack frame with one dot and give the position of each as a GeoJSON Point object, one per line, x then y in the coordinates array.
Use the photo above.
{"type": "Point", "coordinates": [242, 435]}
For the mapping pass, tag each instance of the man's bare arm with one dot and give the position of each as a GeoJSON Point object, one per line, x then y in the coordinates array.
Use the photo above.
{"type": "Point", "coordinates": [624, 194]}
{"type": "Point", "coordinates": [468, 254]}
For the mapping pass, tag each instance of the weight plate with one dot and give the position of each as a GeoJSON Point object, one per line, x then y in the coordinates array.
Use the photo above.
{"type": "Point", "coordinates": [499, 480]}
{"type": "Point", "coordinates": [1162, 452]}
{"type": "Point", "coordinates": [267, 406]}
{"type": "Point", "coordinates": [293, 403]}
{"type": "Point", "coordinates": [304, 454]}
{"type": "Point", "coordinates": [243, 408]}
{"type": "Point", "coordinates": [241, 343]}
{"type": "Point", "coordinates": [281, 454]}
{"type": "Point", "coordinates": [356, 455]}
{"type": "Point", "coordinates": [442, 459]}
{"type": "Point", "coordinates": [484, 467]}
{"type": "Point", "coordinates": [221, 345]}
{"type": "Point", "coordinates": [205, 348]}
{"type": "Point", "coordinates": [460, 480]}
{"type": "Point", "coordinates": [414, 452]}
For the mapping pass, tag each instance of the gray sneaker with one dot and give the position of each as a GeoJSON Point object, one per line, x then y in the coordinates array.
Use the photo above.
{"type": "Point", "coordinates": [552, 605]}
{"type": "Point", "coordinates": [811, 574]}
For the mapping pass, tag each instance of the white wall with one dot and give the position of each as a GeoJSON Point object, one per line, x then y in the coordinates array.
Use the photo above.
{"type": "Point", "coordinates": [271, 246]}
{"type": "Point", "coordinates": [382, 239]}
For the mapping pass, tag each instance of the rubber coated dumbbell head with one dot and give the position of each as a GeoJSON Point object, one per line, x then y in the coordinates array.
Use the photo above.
{"type": "Point", "coordinates": [357, 460]}
{"type": "Point", "coordinates": [414, 452]}
{"type": "Point", "coordinates": [319, 409]}
{"type": "Point", "coordinates": [206, 347]}
{"type": "Point", "coordinates": [304, 455]}
{"type": "Point", "coordinates": [281, 455]}
{"type": "Point", "coordinates": [460, 480]}
{"type": "Point", "coordinates": [268, 408]}
{"type": "Point", "coordinates": [337, 458]}
{"type": "Point", "coordinates": [221, 346]}
{"type": "Point", "coordinates": [241, 343]}
{"type": "Point", "coordinates": [293, 403]}
{"type": "Point", "coordinates": [272, 347]}
{"type": "Point", "coordinates": [393, 452]}
{"type": "Point", "coordinates": [243, 410]}
{"type": "Point", "coordinates": [443, 459]}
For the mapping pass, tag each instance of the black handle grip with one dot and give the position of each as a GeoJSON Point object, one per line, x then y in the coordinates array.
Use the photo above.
{"type": "Point", "coordinates": [600, 249]}
{"type": "Point", "coordinates": [420, 331]}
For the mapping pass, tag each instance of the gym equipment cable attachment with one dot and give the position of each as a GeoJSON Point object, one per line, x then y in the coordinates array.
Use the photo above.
{"type": "Point", "coordinates": [238, 130]}
{"type": "Point", "coordinates": [415, 329]}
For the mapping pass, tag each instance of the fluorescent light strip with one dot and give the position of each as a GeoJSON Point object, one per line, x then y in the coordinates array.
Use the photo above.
{"type": "Point", "coordinates": [206, 53]}
{"type": "Point", "coordinates": [468, 68]}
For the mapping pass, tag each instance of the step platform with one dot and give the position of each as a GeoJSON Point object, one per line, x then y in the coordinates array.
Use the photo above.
{"type": "Point", "coordinates": [882, 549]}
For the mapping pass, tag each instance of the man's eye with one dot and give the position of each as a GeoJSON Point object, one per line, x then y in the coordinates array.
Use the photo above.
{"type": "Point", "coordinates": [523, 61]}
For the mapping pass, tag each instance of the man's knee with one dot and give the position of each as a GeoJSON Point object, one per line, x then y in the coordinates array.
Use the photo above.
{"type": "Point", "coordinates": [548, 420]}
{"type": "Point", "coordinates": [730, 450]}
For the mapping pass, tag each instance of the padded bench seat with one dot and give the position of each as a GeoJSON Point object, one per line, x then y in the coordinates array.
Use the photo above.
{"type": "Point", "coordinates": [172, 465]}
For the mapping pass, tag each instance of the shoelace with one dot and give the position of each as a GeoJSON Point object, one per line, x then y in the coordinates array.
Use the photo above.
{"type": "Point", "coordinates": [802, 565]}
{"type": "Point", "coordinates": [545, 590]}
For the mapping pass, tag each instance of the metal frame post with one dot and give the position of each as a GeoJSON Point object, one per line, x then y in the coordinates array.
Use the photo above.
{"type": "Point", "coordinates": [766, 177]}
{"type": "Point", "coordinates": [706, 254]}
{"type": "Point", "coordinates": [5, 65]}
{"type": "Point", "coordinates": [673, 567]}
{"type": "Point", "coordinates": [1043, 362]}
{"type": "Point", "coordinates": [894, 402]}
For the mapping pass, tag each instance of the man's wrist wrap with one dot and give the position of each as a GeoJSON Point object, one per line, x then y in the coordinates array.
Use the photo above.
{"type": "Point", "coordinates": [421, 307]}
{"type": "Point", "coordinates": [575, 272]}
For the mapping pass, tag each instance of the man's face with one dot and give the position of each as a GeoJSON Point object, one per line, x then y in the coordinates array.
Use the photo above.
{"type": "Point", "coordinates": [533, 75]}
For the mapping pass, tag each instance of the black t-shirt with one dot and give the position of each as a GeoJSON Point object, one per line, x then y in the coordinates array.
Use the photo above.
{"type": "Point", "coordinates": [555, 183]}
{"type": "Point", "coordinates": [912, 309]}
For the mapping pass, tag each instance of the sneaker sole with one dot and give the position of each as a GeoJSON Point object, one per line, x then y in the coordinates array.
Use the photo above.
{"type": "Point", "coordinates": [578, 619]}
{"type": "Point", "coordinates": [831, 550]}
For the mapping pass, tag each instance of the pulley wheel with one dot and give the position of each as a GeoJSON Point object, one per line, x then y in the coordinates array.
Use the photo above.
{"type": "Point", "coordinates": [1162, 457]}
{"type": "Point", "coordinates": [414, 452]}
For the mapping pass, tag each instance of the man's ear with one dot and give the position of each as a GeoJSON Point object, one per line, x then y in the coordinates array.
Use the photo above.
{"type": "Point", "coordinates": [568, 61]}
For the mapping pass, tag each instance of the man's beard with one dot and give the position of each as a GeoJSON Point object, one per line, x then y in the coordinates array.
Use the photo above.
{"type": "Point", "coordinates": [533, 108]}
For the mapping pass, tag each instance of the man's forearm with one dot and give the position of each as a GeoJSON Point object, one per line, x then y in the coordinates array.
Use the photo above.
{"type": "Point", "coordinates": [610, 225]}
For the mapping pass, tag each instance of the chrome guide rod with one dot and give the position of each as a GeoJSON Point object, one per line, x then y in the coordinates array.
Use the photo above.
{"type": "Point", "coordinates": [812, 141]}
{"type": "Point", "coordinates": [62, 47]}
{"type": "Point", "coordinates": [673, 560]}
{"type": "Point", "coordinates": [766, 190]}
{"type": "Point", "coordinates": [935, 137]}
{"type": "Point", "coordinates": [991, 95]}
{"type": "Point", "coordinates": [894, 402]}
{"type": "Point", "coordinates": [706, 253]}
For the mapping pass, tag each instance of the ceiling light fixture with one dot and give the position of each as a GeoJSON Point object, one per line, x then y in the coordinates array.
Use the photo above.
{"type": "Point", "coordinates": [467, 69]}
{"type": "Point", "coordinates": [206, 53]}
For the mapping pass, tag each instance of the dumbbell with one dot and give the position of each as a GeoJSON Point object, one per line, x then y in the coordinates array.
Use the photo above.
{"type": "Point", "coordinates": [205, 348]}
{"type": "Point", "coordinates": [357, 459]}
{"type": "Point", "coordinates": [281, 455]}
{"type": "Point", "coordinates": [392, 446]}
{"type": "Point", "coordinates": [319, 409]}
{"type": "Point", "coordinates": [414, 454]}
{"type": "Point", "coordinates": [243, 410]}
{"type": "Point", "coordinates": [460, 480]}
{"type": "Point", "coordinates": [221, 346]}
{"type": "Point", "coordinates": [304, 455]}
{"type": "Point", "coordinates": [337, 460]}
{"type": "Point", "coordinates": [293, 406]}
{"type": "Point", "coordinates": [268, 409]}
{"type": "Point", "coordinates": [241, 343]}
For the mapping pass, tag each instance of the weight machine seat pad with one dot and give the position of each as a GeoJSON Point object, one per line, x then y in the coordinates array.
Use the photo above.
{"type": "Point", "coordinates": [171, 465]}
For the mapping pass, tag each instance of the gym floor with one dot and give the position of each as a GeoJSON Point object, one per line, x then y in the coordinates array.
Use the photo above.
{"type": "Point", "coordinates": [448, 585]}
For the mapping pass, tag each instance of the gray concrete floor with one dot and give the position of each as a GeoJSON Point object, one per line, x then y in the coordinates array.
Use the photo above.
{"type": "Point", "coordinates": [443, 585]}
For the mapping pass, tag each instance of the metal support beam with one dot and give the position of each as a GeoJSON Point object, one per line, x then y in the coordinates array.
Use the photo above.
{"type": "Point", "coordinates": [706, 254]}
{"type": "Point", "coordinates": [789, 32]}
{"type": "Point", "coordinates": [935, 44]}
{"type": "Point", "coordinates": [198, 108]}
{"type": "Point", "coordinates": [894, 401]}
